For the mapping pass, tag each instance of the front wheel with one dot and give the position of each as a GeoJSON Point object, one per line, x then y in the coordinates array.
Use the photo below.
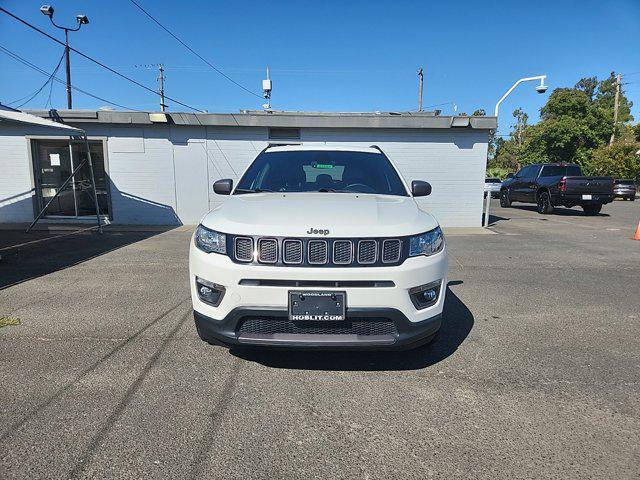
{"type": "Point", "coordinates": [544, 203]}
{"type": "Point", "coordinates": [633, 199]}
{"type": "Point", "coordinates": [592, 209]}
{"type": "Point", "coordinates": [505, 201]}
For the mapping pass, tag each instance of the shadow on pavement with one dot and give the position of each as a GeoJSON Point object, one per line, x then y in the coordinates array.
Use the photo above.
{"type": "Point", "coordinates": [53, 251]}
{"type": "Point", "coordinates": [457, 323]}
{"type": "Point", "coordinates": [560, 211]}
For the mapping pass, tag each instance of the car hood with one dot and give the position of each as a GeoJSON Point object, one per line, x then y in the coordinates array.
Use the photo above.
{"type": "Point", "coordinates": [342, 214]}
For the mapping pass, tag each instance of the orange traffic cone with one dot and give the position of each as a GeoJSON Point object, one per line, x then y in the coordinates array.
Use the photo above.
{"type": "Point", "coordinates": [637, 235]}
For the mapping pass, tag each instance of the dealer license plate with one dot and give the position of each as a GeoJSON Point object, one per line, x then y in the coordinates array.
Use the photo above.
{"type": "Point", "coordinates": [587, 197]}
{"type": "Point", "coordinates": [322, 306]}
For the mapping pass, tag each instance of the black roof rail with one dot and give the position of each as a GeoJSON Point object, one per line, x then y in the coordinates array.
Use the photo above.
{"type": "Point", "coordinates": [377, 148]}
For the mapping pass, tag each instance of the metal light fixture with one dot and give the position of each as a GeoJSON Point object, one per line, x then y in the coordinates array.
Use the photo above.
{"type": "Point", "coordinates": [47, 10]}
{"type": "Point", "coordinates": [82, 19]}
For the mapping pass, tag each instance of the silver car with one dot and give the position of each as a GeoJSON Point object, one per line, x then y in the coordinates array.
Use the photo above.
{"type": "Point", "coordinates": [625, 189]}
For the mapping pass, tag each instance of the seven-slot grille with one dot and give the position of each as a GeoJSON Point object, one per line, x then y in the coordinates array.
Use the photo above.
{"type": "Point", "coordinates": [319, 252]}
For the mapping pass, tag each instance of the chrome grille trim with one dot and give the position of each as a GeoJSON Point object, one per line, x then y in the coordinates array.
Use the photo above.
{"type": "Point", "coordinates": [339, 252]}
{"type": "Point", "coordinates": [317, 252]}
{"type": "Point", "coordinates": [391, 249]}
{"type": "Point", "coordinates": [243, 249]}
{"type": "Point", "coordinates": [292, 251]}
{"type": "Point", "coordinates": [366, 255]}
{"type": "Point", "coordinates": [267, 250]}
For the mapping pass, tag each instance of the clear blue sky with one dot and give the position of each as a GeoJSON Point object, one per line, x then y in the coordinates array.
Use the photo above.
{"type": "Point", "coordinates": [326, 55]}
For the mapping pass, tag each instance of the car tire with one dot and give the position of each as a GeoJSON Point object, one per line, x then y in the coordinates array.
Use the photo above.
{"type": "Point", "coordinates": [543, 202]}
{"type": "Point", "coordinates": [591, 210]}
{"type": "Point", "coordinates": [633, 199]}
{"type": "Point", "coordinates": [505, 201]}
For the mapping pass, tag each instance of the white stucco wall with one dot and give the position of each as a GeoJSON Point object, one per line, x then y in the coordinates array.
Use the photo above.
{"type": "Point", "coordinates": [163, 174]}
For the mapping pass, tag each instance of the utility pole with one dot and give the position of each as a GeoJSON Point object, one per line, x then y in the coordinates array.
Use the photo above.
{"type": "Point", "coordinates": [616, 103]}
{"type": "Point", "coordinates": [81, 20]}
{"type": "Point", "coordinates": [421, 77]}
{"type": "Point", "coordinates": [161, 91]}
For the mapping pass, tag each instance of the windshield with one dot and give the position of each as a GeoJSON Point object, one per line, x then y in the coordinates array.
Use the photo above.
{"type": "Point", "coordinates": [321, 171]}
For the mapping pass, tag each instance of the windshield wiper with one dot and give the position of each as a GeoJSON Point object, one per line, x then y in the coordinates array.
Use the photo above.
{"type": "Point", "coordinates": [255, 190]}
{"type": "Point", "coordinates": [333, 190]}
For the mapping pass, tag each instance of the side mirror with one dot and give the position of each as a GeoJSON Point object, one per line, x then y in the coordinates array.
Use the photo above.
{"type": "Point", "coordinates": [510, 175]}
{"type": "Point", "coordinates": [420, 188]}
{"type": "Point", "coordinates": [223, 187]}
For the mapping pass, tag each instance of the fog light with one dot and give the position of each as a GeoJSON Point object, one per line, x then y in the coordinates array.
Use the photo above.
{"type": "Point", "coordinates": [208, 292]}
{"type": "Point", "coordinates": [425, 295]}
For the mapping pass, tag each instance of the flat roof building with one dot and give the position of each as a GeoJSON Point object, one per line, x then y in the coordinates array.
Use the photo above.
{"type": "Point", "coordinates": [158, 168]}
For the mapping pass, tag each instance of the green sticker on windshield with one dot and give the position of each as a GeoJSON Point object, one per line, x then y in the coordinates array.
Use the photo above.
{"type": "Point", "coordinates": [322, 165]}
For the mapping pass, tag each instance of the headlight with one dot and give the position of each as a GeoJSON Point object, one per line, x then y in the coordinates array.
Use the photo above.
{"type": "Point", "coordinates": [427, 243]}
{"type": "Point", "coordinates": [210, 241]}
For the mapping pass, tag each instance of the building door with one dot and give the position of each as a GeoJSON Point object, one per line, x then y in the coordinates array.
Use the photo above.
{"type": "Point", "coordinates": [53, 163]}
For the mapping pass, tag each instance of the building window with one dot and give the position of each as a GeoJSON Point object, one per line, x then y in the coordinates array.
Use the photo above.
{"type": "Point", "coordinates": [283, 133]}
{"type": "Point", "coordinates": [53, 164]}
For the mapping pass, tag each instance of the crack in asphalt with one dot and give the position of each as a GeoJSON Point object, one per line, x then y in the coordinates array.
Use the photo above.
{"type": "Point", "coordinates": [13, 428]}
{"type": "Point", "coordinates": [215, 419]}
{"type": "Point", "coordinates": [97, 440]}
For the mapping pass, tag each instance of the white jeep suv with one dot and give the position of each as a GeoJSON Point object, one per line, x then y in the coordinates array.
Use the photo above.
{"type": "Point", "coordinates": [319, 247]}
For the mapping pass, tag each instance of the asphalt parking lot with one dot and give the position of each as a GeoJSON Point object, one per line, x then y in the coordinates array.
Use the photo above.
{"type": "Point", "coordinates": [535, 374]}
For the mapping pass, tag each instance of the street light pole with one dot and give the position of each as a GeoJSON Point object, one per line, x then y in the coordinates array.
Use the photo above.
{"type": "Point", "coordinates": [82, 20]}
{"type": "Point", "coordinates": [540, 89]}
{"type": "Point", "coordinates": [68, 69]}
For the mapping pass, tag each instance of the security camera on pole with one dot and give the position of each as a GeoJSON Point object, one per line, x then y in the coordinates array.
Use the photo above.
{"type": "Point", "coordinates": [542, 88]}
{"type": "Point", "coordinates": [81, 20]}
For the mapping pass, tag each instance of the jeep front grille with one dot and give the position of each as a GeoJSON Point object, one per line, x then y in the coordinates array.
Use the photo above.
{"type": "Point", "coordinates": [367, 251]}
{"type": "Point", "coordinates": [292, 251]}
{"type": "Point", "coordinates": [267, 250]}
{"type": "Point", "coordinates": [276, 325]}
{"type": "Point", "coordinates": [316, 252]}
{"type": "Point", "coordinates": [390, 251]}
{"type": "Point", "coordinates": [342, 252]}
{"type": "Point", "coordinates": [243, 247]}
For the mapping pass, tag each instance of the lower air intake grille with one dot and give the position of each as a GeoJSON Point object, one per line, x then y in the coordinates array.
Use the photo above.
{"type": "Point", "coordinates": [273, 325]}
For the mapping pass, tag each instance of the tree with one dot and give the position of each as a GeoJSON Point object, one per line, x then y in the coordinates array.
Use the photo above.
{"type": "Point", "coordinates": [587, 85]}
{"type": "Point", "coordinates": [620, 160]}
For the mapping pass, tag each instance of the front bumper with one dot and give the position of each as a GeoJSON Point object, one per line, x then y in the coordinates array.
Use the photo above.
{"type": "Point", "coordinates": [229, 332]}
{"type": "Point", "coordinates": [261, 290]}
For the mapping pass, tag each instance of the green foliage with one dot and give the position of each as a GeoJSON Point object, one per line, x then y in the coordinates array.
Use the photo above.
{"type": "Point", "coordinates": [575, 127]}
{"type": "Point", "coordinates": [497, 172]}
{"type": "Point", "coordinates": [620, 160]}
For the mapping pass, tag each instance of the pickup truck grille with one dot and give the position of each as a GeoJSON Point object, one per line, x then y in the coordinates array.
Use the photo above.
{"type": "Point", "coordinates": [314, 252]}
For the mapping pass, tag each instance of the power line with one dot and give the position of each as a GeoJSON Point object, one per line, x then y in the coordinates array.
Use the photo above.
{"type": "Point", "coordinates": [49, 81]}
{"type": "Point", "coordinates": [95, 61]}
{"type": "Point", "coordinates": [25, 62]}
{"type": "Point", "coordinates": [193, 51]}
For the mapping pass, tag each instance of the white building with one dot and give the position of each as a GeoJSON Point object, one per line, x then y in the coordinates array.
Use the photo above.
{"type": "Point", "coordinates": [159, 168]}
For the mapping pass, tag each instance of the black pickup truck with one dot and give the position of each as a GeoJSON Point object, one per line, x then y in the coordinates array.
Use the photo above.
{"type": "Point", "coordinates": [556, 184]}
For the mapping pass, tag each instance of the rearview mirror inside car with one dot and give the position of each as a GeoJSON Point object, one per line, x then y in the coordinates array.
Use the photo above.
{"type": "Point", "coordinates": [223, 187]}
{"type": "Point", "coordinates": [420, 188]}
